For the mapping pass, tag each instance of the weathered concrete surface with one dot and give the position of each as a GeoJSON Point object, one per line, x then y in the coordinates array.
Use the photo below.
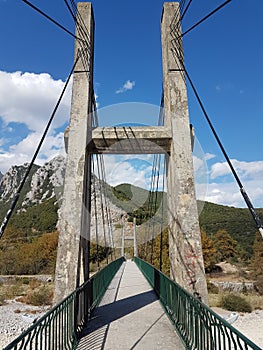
{"type": "Point", "coordinates": [129, 317]}
{"type": "Point", "coordinates": [175, 138]}
{"type": "Point", "coordinates": [74, 213]}
{"type": "Point", "coordinates": [185, 249]}
{"type": "Point", "coordinates": [128, 140]}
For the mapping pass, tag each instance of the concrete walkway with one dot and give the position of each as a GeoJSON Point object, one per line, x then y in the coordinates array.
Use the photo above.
{"type": "Point", "coordinates": [129, 317]}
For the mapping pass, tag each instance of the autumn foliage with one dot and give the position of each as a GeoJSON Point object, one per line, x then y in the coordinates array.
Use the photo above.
{"type": "Point", "coordinates": [37, 256]}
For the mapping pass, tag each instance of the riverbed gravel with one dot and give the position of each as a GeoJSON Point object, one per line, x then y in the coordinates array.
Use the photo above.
{"type": "Point", "coordinates": [15, 317]}
{"type": "Point", "coordinates": [249, 324]}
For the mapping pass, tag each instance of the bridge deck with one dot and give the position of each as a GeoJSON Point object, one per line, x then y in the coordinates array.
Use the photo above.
{"type": "Point", "coordinates": [129, 317]}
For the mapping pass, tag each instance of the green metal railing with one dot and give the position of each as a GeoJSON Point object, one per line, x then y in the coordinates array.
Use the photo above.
{"type": "Point", "coordinates": [59, 328]}
{"type": "Point", "coordinates": [197, 325]}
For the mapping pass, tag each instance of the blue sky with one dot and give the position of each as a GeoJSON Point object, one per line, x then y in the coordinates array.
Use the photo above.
{"type": "Point", "coordinates": [224, 58]}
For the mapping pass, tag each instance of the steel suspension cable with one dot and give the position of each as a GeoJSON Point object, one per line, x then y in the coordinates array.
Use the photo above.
{"type": "Point", "coordinates": [102, 193]}
{"type": "Point", "coordinates": [83, 32]}
{"type": "Point", "coordinates": [50, 19]}
{"type": "Point", "coordinates": [22, 183]}
{"type": "Point", "coordinates": [152, 204]}
{"type": "Point", "coordinates": [71, 10]}
{"type": "Point", "coordinates": [175, 22]}
{"type": "Point", "coordinates": [162, 220]}
{"type": "Point", "coordinates": [104, 182]}
{"type": "Point", "coordinates": [186, 9]}
{"type": "Point", "coordinates": [241, 187]}
{"type": "Point", "coordinates": [161, 122]}
{"type": "Point", "coordinates": [157, 170]}
{"type": "Point", "coordinates": [102, 207]}
{"type": "Point", "coordinates": [108, 213]}
{"type": "Point", "coordinates": [205, 18]}
{"type": "Point", "coordinates": [80, 26]}
{"type": "Point", "coordinates": [155, 201]}
{"type": "Point", "coordinates": [85, 41]}
{"type": "Point", "coordinates": [96, 214]}
{"type": "Point", "coordinates": [78, 20]}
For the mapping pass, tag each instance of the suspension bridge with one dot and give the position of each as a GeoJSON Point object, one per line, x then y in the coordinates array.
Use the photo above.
{"type": "Point", "coordinates": [130, 304]}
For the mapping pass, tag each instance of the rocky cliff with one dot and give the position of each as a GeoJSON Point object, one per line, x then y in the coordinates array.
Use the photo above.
{"type": "Point", "coordinates": [43, 182]}
{"type": "Point", "coordinates": [46, 182]}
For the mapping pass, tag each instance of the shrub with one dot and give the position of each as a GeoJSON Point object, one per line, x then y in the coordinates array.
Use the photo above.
{"type": "Point", "coordinates": [34, 283]}
{"type": "Point", "coordinates": [233, 302]}
{"type": "Point", "coordinates": [25, 280]}
{"type": "Point", "coordinates": [42, 296]}
{"type": "Point", "coordinates": [259, 285]}
{"type": "Point", "coordinates": [212, 288]}
{"type": "Point", "coordinates": [2, 299]}
{"type": "Point", "coordinates": [14, 290]}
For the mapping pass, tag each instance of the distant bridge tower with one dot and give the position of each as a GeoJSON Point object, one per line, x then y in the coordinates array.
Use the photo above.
{"type": "Point", "coordinates": [173, 139]}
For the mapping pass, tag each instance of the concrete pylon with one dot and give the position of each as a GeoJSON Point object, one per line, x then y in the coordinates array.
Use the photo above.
{"type": "Point", "coordinates": [172, 139]}
{"type": "Point", "coordinates": [185, 250]}
{"type": "Point", "coordinates": [72, 266]}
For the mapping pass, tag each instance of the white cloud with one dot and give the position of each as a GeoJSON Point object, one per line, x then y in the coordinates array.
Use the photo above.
{"type": "Point", "coordinates": [30, 98]}
{"type": "Point", "coordinates": [224, 189]}
{"type": "Point", "coordinates": [23, 151]}
{"type": "Point", "coordinates": [128, 85]}
{"type": "Point", "coordinates": [121, 170]}
{"type": "Point", "coordinates": [219, 169]}
{"type": "Point", "coordinates": [199, 164]}
{"type": "Point", "coordinates": [96, 100]}
{"type": "Point", "coordinates": [245, 169]}
{"type": "Point", "coordinates": [229, 194]}
{"type": "Point", "coordinates": [209, 156]}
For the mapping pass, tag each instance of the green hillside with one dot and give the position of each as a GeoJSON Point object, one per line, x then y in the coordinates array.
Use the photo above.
{"type": "Point", "coordinates": [237, 222]}
{"type": "Point", "coordinates": [26, 227]}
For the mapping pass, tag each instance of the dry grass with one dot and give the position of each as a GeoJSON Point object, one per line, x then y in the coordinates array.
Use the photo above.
{"type": "Point", "coordinates": [27, 291]}
{"type": "Point", "coordinates": [94, 266]}
{"type": "Point", "coordinates": [256, 301]}
{"type": "Point", "coordinates": [213, 300]}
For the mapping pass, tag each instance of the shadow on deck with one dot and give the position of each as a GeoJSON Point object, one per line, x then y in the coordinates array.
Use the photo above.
{"type": "Point", "coordinates": [129, 317]}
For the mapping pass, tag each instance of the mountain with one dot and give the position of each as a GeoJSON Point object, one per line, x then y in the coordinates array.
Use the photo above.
{"type": "Point", "coordinates": [43, 183]}
{"type": "Point", "coordinates": [41, 195]}
{"type": "Point", "coordinates": [1, 175]}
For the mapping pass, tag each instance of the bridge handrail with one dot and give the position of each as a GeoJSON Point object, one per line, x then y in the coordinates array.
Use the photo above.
{"type": "Point", "coordinates": [198, 326]}
{"type": "Point", "coordinates": [60, 327]}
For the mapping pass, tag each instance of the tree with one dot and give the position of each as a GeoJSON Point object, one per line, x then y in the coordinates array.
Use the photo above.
{"type": "Point", "coordinates": [209, 251]}
{"type": "Point", "coordinates": [38, 256]}
{"type": "Point", "coordinates": [257, 258]}
{"type": "Point", "coordinates": [145, 251]}
{"type": "Point", "coordinates": [225, 245]}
